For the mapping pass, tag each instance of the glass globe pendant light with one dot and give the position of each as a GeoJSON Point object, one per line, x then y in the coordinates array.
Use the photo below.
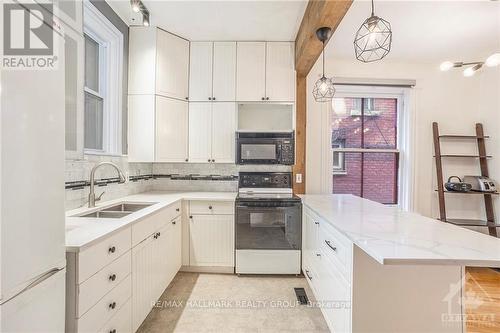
{"type": "Point", "coordinates": [323, 90]}
{"type": "Point", "coordinates": [373, 39]}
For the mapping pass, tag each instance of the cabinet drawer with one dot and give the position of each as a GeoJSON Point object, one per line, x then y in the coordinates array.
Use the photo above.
{"type": "Point", "coordinates": [121, 322]}
{"type": "Point", "coordinates": [336, 248]}
{"type": "Point", "coordinates": [99, 255]}
{"type": "Point", "coordinates": [106, 308]}
{"type": "Point", "coordinates": [211, 207]}
{"type": "Point", "coordinates": [144, 228]}
{"type": "Point", "coordinates": [99, 284]}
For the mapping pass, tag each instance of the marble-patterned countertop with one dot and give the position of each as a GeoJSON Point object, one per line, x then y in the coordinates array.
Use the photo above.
{"type": "Point", "coordinates": [392, 236]}
{"type": "Point", "coordinates": [82, 232]}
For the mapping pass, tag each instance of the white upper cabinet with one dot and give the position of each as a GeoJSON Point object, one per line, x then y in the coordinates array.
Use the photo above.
{"type": "Point", "coordinates": [251, 71]}
{"type": "Point", "coordinates": [171, 130]}
{"type": "Point", "coordinates": [200, 132]}
{"type": "Point", "coordinates": [212, 75]}
{"type": "Point", "coordinates": [172, 62]}
{"type": "Point", "coordinates": [223, 129]}
{"type": "Point", "coordinates": [280, 73]}
{"type": "Point", "coordinates": [265, 72]}
{"type": "Point", "coordinates": [200, 73]}
{"type": "Point", "coordinates": [224, 72]}
{"type": "Point", "coordinates": [158, 63]}
{"type": "Point", "coordinates": [211, 132]}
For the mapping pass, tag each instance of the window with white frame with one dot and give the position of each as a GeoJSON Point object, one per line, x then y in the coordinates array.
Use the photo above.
{"type": "Point", "coordinates": [338, 157]}
{"type": "Point", "coordinates": [103, 89]}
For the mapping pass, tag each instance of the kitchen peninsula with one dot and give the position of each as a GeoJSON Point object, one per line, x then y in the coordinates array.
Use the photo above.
{"type": "Point", "coordinates": [374, 268]}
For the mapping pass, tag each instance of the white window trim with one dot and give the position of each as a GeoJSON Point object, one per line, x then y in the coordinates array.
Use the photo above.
{"type": "Point", "coordinates": [110, 39]}
{"type": "Point", "coordinates": [405, 138]}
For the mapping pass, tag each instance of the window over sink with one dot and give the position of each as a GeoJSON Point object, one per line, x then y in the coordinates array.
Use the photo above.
{"type": "Point", "coordinates": [103, 95]}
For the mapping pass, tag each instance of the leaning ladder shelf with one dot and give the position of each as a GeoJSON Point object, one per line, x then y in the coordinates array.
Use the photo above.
{"type": "Point", "coordinates": [482, 157]}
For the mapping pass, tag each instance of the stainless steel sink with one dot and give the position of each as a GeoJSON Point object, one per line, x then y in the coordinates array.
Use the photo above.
{"type": "Point", "coordinates": [127, 207]}
{"type": "Point", "coordinates": [106, 214]}
{"type": "Point", "coordinates": [117, 211]}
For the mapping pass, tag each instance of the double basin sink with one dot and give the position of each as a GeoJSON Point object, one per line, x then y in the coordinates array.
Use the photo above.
{"type": "Point", "coordinates": [117, 211]}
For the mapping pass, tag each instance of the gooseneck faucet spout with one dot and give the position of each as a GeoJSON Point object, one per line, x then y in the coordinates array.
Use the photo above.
{"type": "Point", "coordinates": [92, 198]}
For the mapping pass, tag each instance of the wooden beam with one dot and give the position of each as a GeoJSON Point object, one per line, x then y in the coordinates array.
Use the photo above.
{"type": "Point", "coordinates": [319, 13]}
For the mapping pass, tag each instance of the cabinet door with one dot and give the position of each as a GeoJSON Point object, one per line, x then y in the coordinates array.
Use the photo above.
{"type": "Point", "coordinates": [161, 255]}
{"type": "Point", "coordinates": [171, 130]}
{"type": "Point", "coordinates": [200, 132]}
{"type": "Point", "coordinates": [74, 49]}
{"type": "Point", "coordinates": [223, 129]}
{"type": "Point", "coordinates": [141, 128]}
{"type": "Point", "coordinates": [200, 71]}
{"type": "Point", "coordinates": [174, 249]}
{"type": "Point", "coordinates": [251, 71]}
{"type": "Point", "coordinates": [280, 73]}
{"type": "Point", "coordinates": [143, 261]}
{"type": "Point", "coordinates": [211, 240]}
{"type": "Point", "coordinates": [172, 72]}
{"type": "Point", "coordinates": [224, 71]}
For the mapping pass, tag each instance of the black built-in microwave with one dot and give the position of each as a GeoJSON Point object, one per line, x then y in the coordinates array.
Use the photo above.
{"type": "Point", "coordinates": [265, 148]}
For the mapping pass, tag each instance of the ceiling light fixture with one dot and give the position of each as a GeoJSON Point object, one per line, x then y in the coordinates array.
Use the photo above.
{"type": "Point", "coordinates": [136, 5]}
{"type": "Point", "coordinates": [323, 90]}
{"type": "Point", "coordinates": [470, 71]}
{"type": "Point", "coordinates": [373, 39]}
{"type": "Point", "coordinates": [493, 60]}
{"type": "Point", "coordinates": [145, 18]}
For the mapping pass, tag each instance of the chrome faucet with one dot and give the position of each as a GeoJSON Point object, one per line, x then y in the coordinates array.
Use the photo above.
{"type": "Point", "coordinates": [92, 198]}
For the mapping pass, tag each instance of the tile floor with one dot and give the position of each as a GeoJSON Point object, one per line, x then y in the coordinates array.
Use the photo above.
{"type": "Point", "coordinates": [229, 303]}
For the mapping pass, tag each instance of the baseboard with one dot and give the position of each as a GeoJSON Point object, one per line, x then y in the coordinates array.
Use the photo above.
{"type": "Point", "coordinates": [208, 269]}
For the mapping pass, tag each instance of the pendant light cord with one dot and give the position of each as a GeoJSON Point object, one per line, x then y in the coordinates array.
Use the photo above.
{"type": "Point", "coordinates": [373, 12]}
{"type": "Point", "coordinates": [323, 58]}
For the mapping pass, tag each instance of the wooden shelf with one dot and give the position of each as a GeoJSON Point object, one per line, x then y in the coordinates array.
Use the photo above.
{"type": "Point", "coordinates": [453, 136]}
{"type": "Point", "coordinates": [471, 223]}
{"type": "Point", "coordinates": [470, 192]}
{"type": "Point", "coordinates": [465, 156]}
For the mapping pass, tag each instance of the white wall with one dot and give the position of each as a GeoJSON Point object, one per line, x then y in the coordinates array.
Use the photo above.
{"type": "Point", "coordinates": [452, 100]}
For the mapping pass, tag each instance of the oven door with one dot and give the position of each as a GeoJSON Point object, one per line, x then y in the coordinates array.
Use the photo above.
{"type": "Point", "coordinates": [267, 226]}
{"type": "Point", "coordinates": [259, 151]}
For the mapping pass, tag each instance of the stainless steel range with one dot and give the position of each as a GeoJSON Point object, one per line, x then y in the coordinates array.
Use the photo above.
{"type": "Point", "coordinates": [268, 224]}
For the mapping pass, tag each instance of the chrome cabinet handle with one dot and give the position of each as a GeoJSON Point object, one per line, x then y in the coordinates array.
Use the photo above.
{"type": "Point", "coordinates": [330, 245]}
{"type": "Point", "coordinates": [112, 277]}
{"type": "Point", "coordinates": [309, 276]}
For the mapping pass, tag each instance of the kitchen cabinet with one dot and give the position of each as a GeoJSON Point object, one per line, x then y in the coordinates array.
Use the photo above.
{"type": "Point", "coordinates": [158, 63]}
{"type": "Point", "coordinates": [212, 71]}
{"type": "Point", "coordinates": [172, 65]}
{"type": "Point", "coordinates": [157, 129]}
{"type": "Point", "coordinates": [74, 49]}
{"type": "Point", "coordinates": [174, 248]}
{"type": "Point", "coordinates": [171, 130]}
{"type": "Point", "coordinates": [211, 132]}
{"type": "Point", "coordinates": [265, 71]}
{"type": "Point", "coordinates": [211, 234]}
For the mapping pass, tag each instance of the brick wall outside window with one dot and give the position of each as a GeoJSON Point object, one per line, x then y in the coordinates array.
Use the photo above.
{"type": "Point", "coordinates": [379, 181]}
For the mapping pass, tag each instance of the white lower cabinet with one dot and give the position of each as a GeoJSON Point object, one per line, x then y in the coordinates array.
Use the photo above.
{"type": "Point", "coordinates": [210, 234]}
{"type": "Point", "coordinates": [327, 266]}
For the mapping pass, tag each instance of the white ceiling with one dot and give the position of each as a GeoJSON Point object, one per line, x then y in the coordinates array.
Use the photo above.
{"type": "Point", "coordinates": [273, 20]}
{"type": "Point", "coordinates": [427, 31]}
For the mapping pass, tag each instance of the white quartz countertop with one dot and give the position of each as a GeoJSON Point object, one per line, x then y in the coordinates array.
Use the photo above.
{"type": "Point", "coordinates": [82, 232]}
{"type": "Point", "coordinates": [392, 236]}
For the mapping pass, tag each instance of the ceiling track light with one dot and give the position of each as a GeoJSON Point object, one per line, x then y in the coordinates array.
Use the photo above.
{"type": "Point", "coordinates": [323, 90]}
{"type": "Point", "coordinates": [470, 71]}
{"type": "Point", "coordinates": [136, 5]}
{"type": "Point", "coordinates": [145, 18]}
{"type": "Point", "coordinates": [472, 67]}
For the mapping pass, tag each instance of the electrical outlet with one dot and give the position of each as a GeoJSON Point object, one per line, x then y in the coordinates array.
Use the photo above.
{"type": "Point", "coordinates": [298, 178]}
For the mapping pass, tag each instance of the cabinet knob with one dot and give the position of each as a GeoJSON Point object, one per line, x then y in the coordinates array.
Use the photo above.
{"type": "Point", "coordinates": [208, 160]}
{"type": "Point", "coordinates": [267, 98]}
{"type": "Point", "coordinates": [112, 249]}
{"type": "Point", "coordinates": [173, 222]}
{"type": "Point", "coordinates": [187, 98]}
{"type": "Point", "coordinates": [112, 305]}
{"type": "Point", "coordinates": [213, 98]}
{"type": "Point", "coordinates": [263, 98]}
{"type": "Point", "coordinates": [316, 222]}
{"type": "Point", "coordinates": [112, 277]}
{"type": "Point", "coordinates": [213, 160]}
{"type": "Point", "coordinates": [177, 209]}
{"type": "Point", "coordinates": [159, 234]}
{"type": "Point", "coordinates": [318, 254]}
{"type": "Point", "coordinates": [209, 207]}
{"type": "Point", "coordinates": [186, 160]}
{"type": "Point", "coordinates": [190, 216]}
{"type": "Point", "coordinates": [112, 331]}
{"type": "Point", "coordinates": [210, 98]}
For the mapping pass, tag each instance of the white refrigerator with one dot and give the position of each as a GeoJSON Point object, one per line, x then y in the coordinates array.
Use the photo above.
{"type": "Point", "coordinates": [32, 231]}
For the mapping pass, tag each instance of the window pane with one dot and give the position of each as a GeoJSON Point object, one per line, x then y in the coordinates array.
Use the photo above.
{"type": "Point", "coordinates": [380, 123]}
{"type": "Point", "coordinates": [369, 175]}
{"type": "Point", "coordinates": [346, 122]}
{"type": "Point", "coordinates": [380, 177]}
{"type": "Point", "coordinates": [93, 122]}
{"type": "Point", "coordinates": [91, 64]}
